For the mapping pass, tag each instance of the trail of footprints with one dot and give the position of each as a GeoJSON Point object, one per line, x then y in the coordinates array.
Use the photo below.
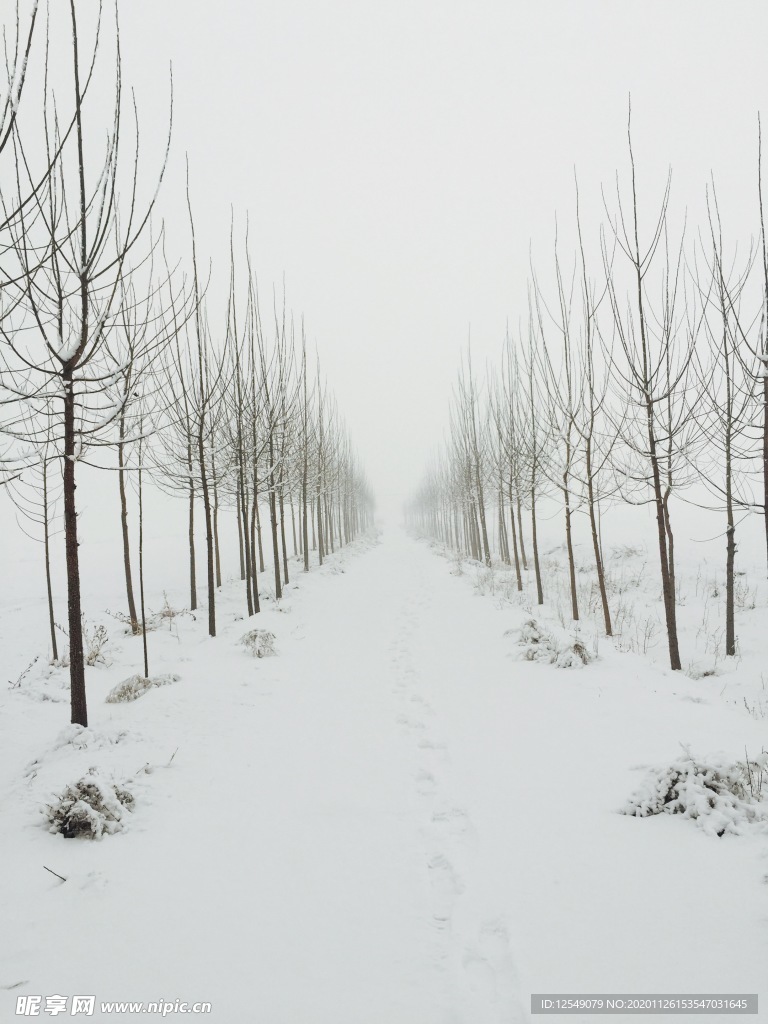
{"type": "Point", "coordinates": [484, 968]}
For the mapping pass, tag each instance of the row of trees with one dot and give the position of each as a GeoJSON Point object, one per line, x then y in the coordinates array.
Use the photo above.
{"type": "Point", "coordinates": [110, 354]}
{"type": "Point", "coordinates": [643, 383]}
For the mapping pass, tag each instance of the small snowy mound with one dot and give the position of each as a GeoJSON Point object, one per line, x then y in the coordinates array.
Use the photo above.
{"type": "Point", "coordinates": [703, 668]}
{"type": "Point", "coordinates": [259, 642]}
{"type": "Point", "coordinates": [136, 686]}
{"type": "Point", "coordinates": [720, 796]}
{"type": "Point", "coordinates": [536, 644]}
{"type": "Point", "coordinates": [90, 807]}
{"type": "Point", "coordinates": [82, 738]}
{"type": "Point", "coordinates": [573, 654]}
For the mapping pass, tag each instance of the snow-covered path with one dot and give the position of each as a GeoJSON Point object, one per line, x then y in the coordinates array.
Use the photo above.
{"type": "Point", "coordinates": [389, 823]}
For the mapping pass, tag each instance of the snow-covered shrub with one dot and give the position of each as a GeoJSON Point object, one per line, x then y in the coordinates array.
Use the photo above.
{"type": "Point", "coordinates": [622, 552]}
{"type": "Point", "coordinates": [332, 569]}
{"type": "Point", "coordinates": [534, 641]}
{"type": "Point", "coordinates": [720, 796]}
{"type": "Point", "coordinates": [83, 738]}
{"type": "Point", "coordinates": [702, 668]}
{"type": "Point", "coordinates": [167, 614]}
{"type": "Point", "coordinates": [90, 807]}
{"type": "Point", "coordinates": [130, 689]}
{"type": "Point", "coordinates": [485, 581]}
{"type": "Point", "coordinates": [259, 642]}
{"type": "Point", "coordinates": [136, 686]}
{"type": "Point", "coordinates": [573, 654]}
{"type": "Point", "coordinates": [96, 640]}
{"type": "Point", "coordinates": [536, 644]}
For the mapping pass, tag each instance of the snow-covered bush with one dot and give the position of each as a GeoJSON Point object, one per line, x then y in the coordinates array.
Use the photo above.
{"type": "Point", "coordinates": [720, 796]}
{"type": "Point", "coordinates": [534, 641]}
{"type": "Point", "coordinates": [485, 581]}
{"type": "Point", "coordinates": [536, 644]}
{"type": "Point", "coordinates": [573, 654]}
{"type": "Point", "coordinates": [167, 614]}
{"type": "Point", "coordinates": [96, 640]}
{"type": "Point", "coordinates": [259, 642]}
{"type": "Point", "coordinates": [90, 807]}
{"type": "Point", "coordinates": [82, 738]}
{"type": "Point", "coordinates": [702, 668]}
{"type": "Point", "coordinates": [136, 686]}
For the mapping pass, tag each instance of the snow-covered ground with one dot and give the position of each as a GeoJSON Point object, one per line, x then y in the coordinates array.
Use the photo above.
{"type": "Point", "coordinates": [391, 821]}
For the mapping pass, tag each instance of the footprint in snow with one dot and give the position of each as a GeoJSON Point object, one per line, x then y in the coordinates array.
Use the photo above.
{"type": "Point", "coordinates": [447, 886]}
{"type": "Point", "coordinates": [454, 821]}
{"type": "Point", "coordinates": [425, 783]}
{"type": "Point", "coordinates": [491, 974]}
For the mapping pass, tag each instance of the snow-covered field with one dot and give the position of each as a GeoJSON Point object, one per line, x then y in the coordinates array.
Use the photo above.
{"type": "Point", "coordinates": [394, 820]}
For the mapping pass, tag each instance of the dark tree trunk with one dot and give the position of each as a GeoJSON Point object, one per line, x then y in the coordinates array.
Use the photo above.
{"type": "Point", "coordinates": [241, 548]}
{"type": "Point", "coordinates": [537, 568]}
{"type": "Point", "coordinates": [124, 528]}
{"type": "Point", "coordinates": [596, 541]}
{"type": "Point", "coordinates": [569, 545]}
{"type": "Point", "coordinates": [192, 565]}
{"type": "Point", "coordinates": [765, 446]}
{"type": "Point", "coordinates": [319, 511]}
{"type": "Point", "coordinates": [74, 609]}
{"type": "Point", "coordinates": [208, 535]}
{"type": "Point", "coordinates": [245, 540]}
{"type": "Point", "coordinates": [257, 511]}
{"type": "Point", "coordinates": [293, 529]}
{"type": "Point", "coordinates": [254, 577]}
{"type": "Point", "coordinates": [515, 551]}
{"type": "Point", "coordinates": [281, 509]}
{"type": "Point", "coordinates": [521, 534]}
{"type": "Point", "coordinates": [216, 533]}
{"type": "Point", "coordinates": [141, 573]}
{"type": "Point", "coordinates": [304, 521]}
{"type": "Point", "coordinates": [667, 579]}
{"type": "Point", "coordinates": [47, 545]}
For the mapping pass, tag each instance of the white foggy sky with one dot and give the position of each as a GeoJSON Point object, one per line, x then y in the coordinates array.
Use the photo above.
{"type": "Point", "coordinates": [398, 159]}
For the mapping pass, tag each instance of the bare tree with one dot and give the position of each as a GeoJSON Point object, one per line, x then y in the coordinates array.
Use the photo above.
{"type": "Point", "coordinates": [72, 247]}
{"type": "Point", "coordinates": [654, 380]}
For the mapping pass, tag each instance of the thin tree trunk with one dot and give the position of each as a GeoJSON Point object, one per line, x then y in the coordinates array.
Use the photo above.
{"type": "Point", "coordinates": [240, 538]}
{"type": "Point", "coordinates": [730, 616]}
{"type": "Point", "coordinates": [216, 533]}
{"type": "Point", "coordinates": [569, 545]}
{"type": "Point", "coordinates": [537, 568]}
{"type": "Point", "coordinates": [192, 565]}
{"type": "Point", "coordinates": [208, 535]}
{"type": "Point", "coordinates": [486, 551]}
{"type": "Point", "coordinates": [293, 528]}
{"type": "Point", "coordinates": [765, 444]}
{"type": "Point", "coordinates": [254, 577]}
{"type": "Point", "coordinates": [518, 575]}
{"type": "Point", "coordinates": [328, 524]}
{"type": "Point", "coordinates": [124, 529]}
{"type": "Point", "coordinates": [596, 546]}
{"type": "Point", "coordinates": [667, 586]}
{"type": "Point", "coordinates": [47, 545]}
{"type": "Point", "coordinates": [520, 529]}
{"type": "Point", "coordinates": [141, 571]}
{"type": "Point", "coordinates": [304, 523]}
{"type": "Point", "coordinates": [74, 609]}
{"type": "Point", "coordinates": [281, 509]}
{"type": "Point", "coordinates": [242, 521]}
{"type": "Point", "coordinates": [258, 534]}
{"type": "Point", "coordinates": [319, 510]}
